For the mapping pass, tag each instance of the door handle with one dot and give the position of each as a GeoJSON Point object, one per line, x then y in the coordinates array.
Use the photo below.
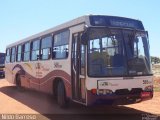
{"type": "Point", "coordinates": [82, 76]}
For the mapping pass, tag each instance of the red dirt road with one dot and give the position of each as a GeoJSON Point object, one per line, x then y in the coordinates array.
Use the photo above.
{"type": "Point", "coordinates": [13, 101]}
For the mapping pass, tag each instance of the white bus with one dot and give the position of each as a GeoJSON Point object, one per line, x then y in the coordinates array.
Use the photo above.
{"type": "Point", "coordinates": [94, 59]}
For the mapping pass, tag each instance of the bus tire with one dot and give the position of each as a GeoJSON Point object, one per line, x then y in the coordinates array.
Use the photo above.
{"type": "Point", "coordinates": [61, 95]}
{"type": "Point", "coordinates": [18, 82]}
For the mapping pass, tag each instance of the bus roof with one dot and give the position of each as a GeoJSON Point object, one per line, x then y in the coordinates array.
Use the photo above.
{"type": "Point", "coordinates": [89, 20]}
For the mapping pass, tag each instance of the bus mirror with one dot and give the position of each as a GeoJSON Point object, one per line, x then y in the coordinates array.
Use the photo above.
{"type": "Point", "coordinates": [147, 34]}
{"type": "Point", "coordinates": [148, 39]}
{"type": "Point", "coordinates": [84, 39]}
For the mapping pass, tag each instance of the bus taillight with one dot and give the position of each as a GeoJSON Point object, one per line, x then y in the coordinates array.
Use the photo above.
{"type": "Point", "coordinates": [94, 91]}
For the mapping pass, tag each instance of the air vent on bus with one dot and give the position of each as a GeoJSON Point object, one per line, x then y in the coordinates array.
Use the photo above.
{"type": "Point", "coordinates": [122, 92]}
{"type": "Point", "coordinates": [136, 91]}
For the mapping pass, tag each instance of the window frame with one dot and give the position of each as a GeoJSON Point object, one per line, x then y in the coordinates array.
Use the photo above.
{"type": "Point", "coordinates": [122, 50]}
{"type": "Point", "coordinates": [65, 30]}
{"type": "Point", "coordinates": [23, 51]}
{"type": "Point", "coordinates": [8, 55]}
{"type": "Point", "coordinates": [14, 47]}
{"type": "Point", "coordinates": [31, 49]}
{"type": "Point", "coordinates": [50, 48]}
{"type": "Point", "coordinates": [17, 53]}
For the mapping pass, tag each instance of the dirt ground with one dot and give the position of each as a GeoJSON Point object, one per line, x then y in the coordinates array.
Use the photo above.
{"type": "Point", "coordinates": [13, 101]}
{"type": "Point", "coordinates": [151, 106]}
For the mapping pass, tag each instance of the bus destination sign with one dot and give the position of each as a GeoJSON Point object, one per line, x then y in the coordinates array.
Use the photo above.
{"type": "Point", "coordinates": [113, 21]}
{"type": "Point", "coordinates": [122, 24]}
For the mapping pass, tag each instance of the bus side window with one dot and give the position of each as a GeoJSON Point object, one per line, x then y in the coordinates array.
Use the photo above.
{"type": "Point", "coordinates": [8, 55]}
{"type": "Point", "coordinates": [66, 52]}
{"type": "Point", "coordinates": [60, 52]}
{"type": "Point", "coordinates": [35, 50]}
{"type": "Point", "coordinates": [13, 53]}
{"type": "Point", "coordinates": [54, 52]}
{"type": "Point", "coordinates": [19, 53]}
{"type": "Point", "coordinates": [60, 45]}
{"type": "Point", "coordinates": [26, 52]}
{"type": "Point", "coordinates": [46, 48]}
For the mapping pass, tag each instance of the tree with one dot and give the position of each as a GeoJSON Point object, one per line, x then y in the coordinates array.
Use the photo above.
{"type": "Point", "coordinates": [155, 60]}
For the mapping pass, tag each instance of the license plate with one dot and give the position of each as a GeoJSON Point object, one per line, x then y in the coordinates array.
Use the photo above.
{"type": "Point", "coordinates": [145, 94]}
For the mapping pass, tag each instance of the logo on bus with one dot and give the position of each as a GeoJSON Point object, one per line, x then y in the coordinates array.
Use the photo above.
{"type": "Point", "coordinates": [57, 65]}
{"type": "Point", "coordinates": [107, 84]}
{"type": "Point", "coordinates": [38, 66]}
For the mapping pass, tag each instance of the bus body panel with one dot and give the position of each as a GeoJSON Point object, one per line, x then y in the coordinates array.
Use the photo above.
{"type": "Point", "coordinates": [9, 73]}
{"type": "Point", "coordinates": [119, 83]}
{"type": "Point", "coordinates": [39, 75]}
{"type": "Point", "coordinates": [118, 90]}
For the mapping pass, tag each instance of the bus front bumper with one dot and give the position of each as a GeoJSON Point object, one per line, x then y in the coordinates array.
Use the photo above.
{"type": "Point", "coordinates": [114, 99]}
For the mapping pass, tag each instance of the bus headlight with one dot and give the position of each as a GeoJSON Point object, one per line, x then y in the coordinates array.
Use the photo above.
{"type": "Point", "coordinates": [102, 91]}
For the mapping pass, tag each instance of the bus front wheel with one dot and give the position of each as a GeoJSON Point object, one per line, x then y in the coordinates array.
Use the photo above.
{"type": "Point", "coordinates": [61, 95]}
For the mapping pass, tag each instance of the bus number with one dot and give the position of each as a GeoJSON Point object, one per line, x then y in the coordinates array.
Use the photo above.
{"type": "Point", "coordinates": [146, 82]}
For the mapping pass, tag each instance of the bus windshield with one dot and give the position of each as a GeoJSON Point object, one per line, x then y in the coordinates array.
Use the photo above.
{"type": "Point", "coordinates": [115, 52]}
{"type": "Point", "coordinates": [138, 58]}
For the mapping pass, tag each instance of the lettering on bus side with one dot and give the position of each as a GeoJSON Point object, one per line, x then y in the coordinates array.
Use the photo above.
{"type": "Point", "coordinates": [39, 74]}
{"type": "Point", "coordinates": [45, 68]}
{"type": "Point", "coordinates": [38, 66]}
{"type": "Point", "coordinates": [41, 67]}
{"type": "Point", "coordinates": [57, 65]}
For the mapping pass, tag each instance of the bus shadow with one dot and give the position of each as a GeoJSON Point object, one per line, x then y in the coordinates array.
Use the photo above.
{"type": "Point", "coordinates": [47, 106]}
{"type": "Point", "coordinates": [1, 77]}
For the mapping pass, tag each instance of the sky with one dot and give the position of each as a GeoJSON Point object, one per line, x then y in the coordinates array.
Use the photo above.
{"type": "Point", "coordinates": [22, 18]}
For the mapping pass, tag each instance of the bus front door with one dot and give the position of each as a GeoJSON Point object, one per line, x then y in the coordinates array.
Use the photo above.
{"type": "Point", "coordinates": [78, 69]}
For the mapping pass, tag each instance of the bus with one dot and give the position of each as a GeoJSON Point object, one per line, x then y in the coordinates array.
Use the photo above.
{"type": "Point", "coordinates": [93, 59]}
{"type": "Point", "coordinates": [2, 61]}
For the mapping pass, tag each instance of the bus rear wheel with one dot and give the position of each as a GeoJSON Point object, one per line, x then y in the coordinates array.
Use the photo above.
{"type": "Point", "coordinates": [61, 95]}
{"type": "Point", "coordinates": [18, 82]}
